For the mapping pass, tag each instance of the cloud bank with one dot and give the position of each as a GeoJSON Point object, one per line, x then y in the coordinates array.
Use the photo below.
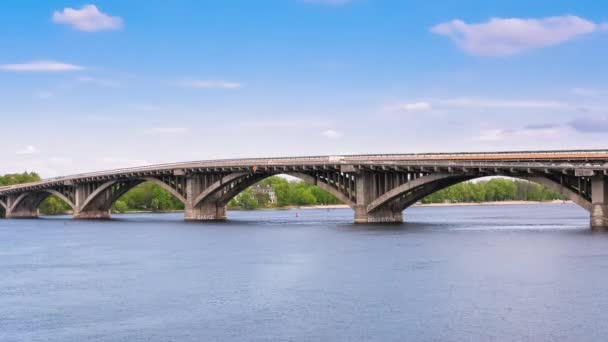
{"type": "Point", "coordinates": [510, 36]}
{"type": "Point", "coordinates": [88, 19]}
{"type": "Point", "coordinates": [210, 84]}
{"type": "Point", "coordinates": [416, 107]}
{"type": "Point", "coordinates": [41, 66]}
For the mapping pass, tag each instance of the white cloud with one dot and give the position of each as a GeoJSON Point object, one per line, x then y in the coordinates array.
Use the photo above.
{"type": "Point", "coordinates": [416, 107]}
{"type": "Point", "coordinates": [510, 36]}
{"type": "Point", "coordinates": [210, 84]}
{"type": "Point", "coordinates": [479, 103]}
{"type": "Point", "coordinates": [332, 134]}
{"type": "Point", "coordinates": [28, 150]}
{"type": "Point", "coordinates": [88, 19]}
{"type": "Point", "coordinates": [41, 66]}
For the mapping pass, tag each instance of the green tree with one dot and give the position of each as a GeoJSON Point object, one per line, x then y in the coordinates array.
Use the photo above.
{"type": "Point", "coordinates": [496, 189]}
{"type": "Point", "coordinates": [246, 200]}
{"type": "Point", "coordinates": [120, 207]}
{"type": "Point", "coordinates": [54, 206]}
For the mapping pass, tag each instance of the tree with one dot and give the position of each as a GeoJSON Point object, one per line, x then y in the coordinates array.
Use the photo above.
{"type": "Point", "coordinates": [53, 206]}
{"type": "Point", "coordinates": [246, 200]}
{"type": "Point", "coordinates": [120, 206]}
{"type": "Point", "coordinates": [497, 189]}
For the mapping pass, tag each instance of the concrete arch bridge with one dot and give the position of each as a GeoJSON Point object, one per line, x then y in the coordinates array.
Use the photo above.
{"type": "Point", "coordinates": [377, 187]}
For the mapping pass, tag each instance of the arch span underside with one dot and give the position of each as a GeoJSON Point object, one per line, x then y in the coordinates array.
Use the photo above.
{"type": "Point", "coordinates": [98, 202]}
{"type": "Point", "coordinates": [240, 184]}
{"type": "Point", "coordinates": [405, 195]}
{"type": "Point", "coordinates": [26, 204]}
{"type": "Point", "coordinates": [204, 197]}
{"type": "Point", "coordinates": [210, 204]}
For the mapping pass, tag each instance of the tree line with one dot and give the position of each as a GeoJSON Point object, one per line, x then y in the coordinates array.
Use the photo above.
{"type": "Point", "coordinates": [151, 197]}
{"type": "Point", "coordinates": [493, 190]}
{"type": "Point", "coordinates": [288, 193]}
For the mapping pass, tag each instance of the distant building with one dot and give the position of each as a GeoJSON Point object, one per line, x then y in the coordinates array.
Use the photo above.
{"type": "Point", "coordinates": [265, 190]}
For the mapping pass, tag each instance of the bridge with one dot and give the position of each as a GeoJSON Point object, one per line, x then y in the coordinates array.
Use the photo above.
{"type": "Point", "coordinates": [377, 187]}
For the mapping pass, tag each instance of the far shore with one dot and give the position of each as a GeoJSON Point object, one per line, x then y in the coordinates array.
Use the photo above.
{"type": "Point", "coordinates": [344, 206]}
{"type": "Point", "coordinates": [446, 204]}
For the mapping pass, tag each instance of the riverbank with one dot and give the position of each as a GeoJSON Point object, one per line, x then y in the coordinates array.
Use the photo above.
{"type": "Point", "coordinates": [491, 203]}
{"type": "Point", "coordinates": [344, 206]}
{"type": "Point", "coordinates": [447, 204]}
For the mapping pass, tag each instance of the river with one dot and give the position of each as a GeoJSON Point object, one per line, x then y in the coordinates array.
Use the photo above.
{"type": "Point", "coordinates": [495, 273]}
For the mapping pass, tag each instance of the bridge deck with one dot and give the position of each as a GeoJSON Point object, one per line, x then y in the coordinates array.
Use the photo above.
{"type": "Point", "coordinates": [569, 159]}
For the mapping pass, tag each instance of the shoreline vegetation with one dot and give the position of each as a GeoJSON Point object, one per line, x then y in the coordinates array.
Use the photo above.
{"type": "Point", "coordinates": [344, 206]}
{"type": "Point", "coordinates": [150, 197]}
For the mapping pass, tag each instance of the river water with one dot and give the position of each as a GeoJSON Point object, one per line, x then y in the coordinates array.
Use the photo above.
{"type": "Point", "coordinates": [495, 273]}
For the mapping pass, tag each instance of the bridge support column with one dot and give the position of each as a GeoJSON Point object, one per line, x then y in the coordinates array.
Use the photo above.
{"type": "Point", "coordinates": [599, 206]}
{"type": "Point", "coordinates": [207, 211]}
{"type": "Point", "coordinates": [92, 212]}
{"type": "Point", "coordinates": [366, 192]}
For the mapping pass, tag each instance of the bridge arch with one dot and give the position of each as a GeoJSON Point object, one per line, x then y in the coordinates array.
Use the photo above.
{"type": "Point", "coordinates": [31, 200]}
{"type": "Point", "coordinates": [222, 191]}
{"type": "Point", "coordinates": [104, 196]}
{"type": "Point", "coordinates": [405, 195]}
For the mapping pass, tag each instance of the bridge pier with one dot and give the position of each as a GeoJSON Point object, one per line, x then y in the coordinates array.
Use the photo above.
{"type": "Point", "coordinates": [22, 214]}
{"type": "Point", "coordinates": [92, 215]}
{"type": "Point", "coordinates": [97, 210]}
{"type": "Point", "coordinates": [384, 215]}
{"type": "Point", "coordinates": [599, 205]}
{"type": "Point", "coordinates": [367, 191]}
{"type": "Point", "coordinates": [207, 212]}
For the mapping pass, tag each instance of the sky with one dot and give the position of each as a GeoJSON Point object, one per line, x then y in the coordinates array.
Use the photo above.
{"type": "Point", "coordinates": [89, 86]}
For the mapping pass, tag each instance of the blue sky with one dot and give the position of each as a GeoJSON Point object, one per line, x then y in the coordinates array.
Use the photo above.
{"type": "Point", "coordinates": [97, 85]}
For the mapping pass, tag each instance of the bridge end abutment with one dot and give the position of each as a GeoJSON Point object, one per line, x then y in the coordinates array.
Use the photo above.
{"type": "Point", "coordinates": [599, 206]}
